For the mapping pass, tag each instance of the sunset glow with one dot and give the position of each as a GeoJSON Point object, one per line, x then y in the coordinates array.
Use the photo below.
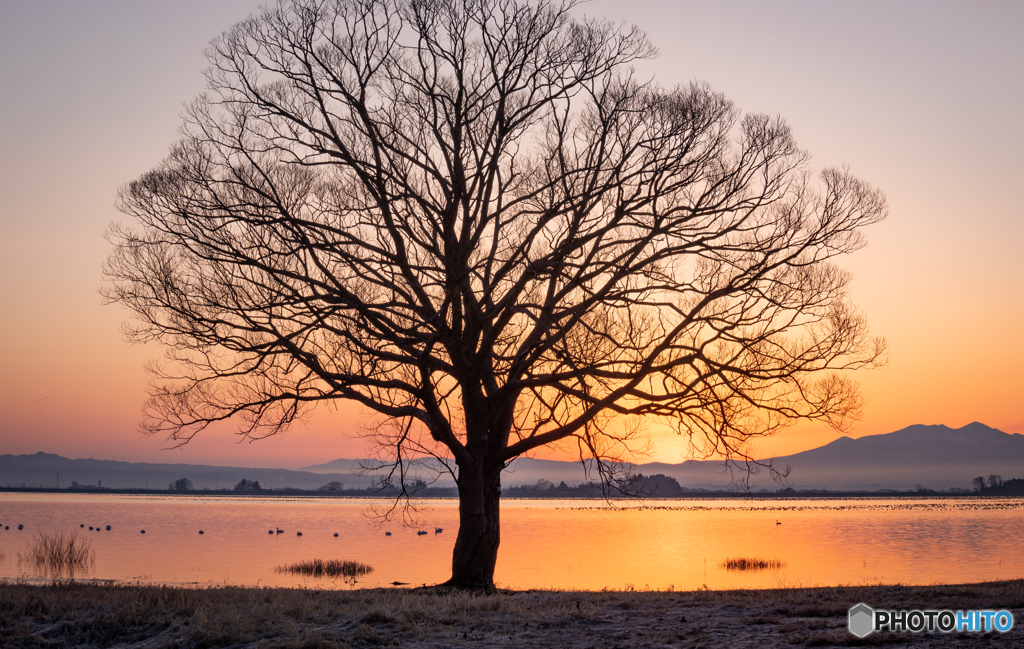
{"type": "Point", "coordinates": [920, 100]}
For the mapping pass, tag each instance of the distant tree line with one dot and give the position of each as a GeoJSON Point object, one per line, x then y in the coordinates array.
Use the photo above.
{"type": "Point", "coordinates": [994, 486]}
{"type": "Point", "coordinates": [657, 485]}
{"type": "Point", "coordinates": [654, 485]}
{"type": "Point", "coordinates": [248, 485]}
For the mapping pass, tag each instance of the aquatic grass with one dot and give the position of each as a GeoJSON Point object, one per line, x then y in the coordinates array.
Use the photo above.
{"type": "Point", "coordinates": [329, 568]}
{"type": "Point", "coordinates": [58, 554]}
{"type": "Point", "coordinates": [747, 563]}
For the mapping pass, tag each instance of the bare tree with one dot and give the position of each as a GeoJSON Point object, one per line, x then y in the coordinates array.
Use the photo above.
{"type": "Point", "coordinates": [470, 217]}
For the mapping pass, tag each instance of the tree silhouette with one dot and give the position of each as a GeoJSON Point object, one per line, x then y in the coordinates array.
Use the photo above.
{"type": "Point", "coordinates": [248, 485]}
{"type": "Point", "coordinates": [470, 217]}
{"type": "Point", "coordinates": [181, 484]}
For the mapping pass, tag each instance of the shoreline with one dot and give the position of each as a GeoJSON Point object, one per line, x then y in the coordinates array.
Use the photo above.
{"type": "Point", "coordinates": [452, 494]}
{"type": "Point", "coordinates": [68, 614]}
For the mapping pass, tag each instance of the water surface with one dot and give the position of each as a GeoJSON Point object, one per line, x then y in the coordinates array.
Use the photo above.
{"type": "Point", "coordinates": [545, 543]}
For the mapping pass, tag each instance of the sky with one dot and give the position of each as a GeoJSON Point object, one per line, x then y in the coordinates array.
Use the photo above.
{"type": "Point", "coordinates": [921, 99]}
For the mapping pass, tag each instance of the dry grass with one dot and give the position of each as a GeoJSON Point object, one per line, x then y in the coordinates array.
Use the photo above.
{"type": "Point", "coordinates": [745, 563]}
{"type": "Point", "coordinates": [71, 614]}
{"type": "Point", "coordinates": [329, 568]}
{"type": "Point", "coordinates": [59, 554]}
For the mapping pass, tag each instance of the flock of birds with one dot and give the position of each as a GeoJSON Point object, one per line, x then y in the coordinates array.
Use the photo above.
{"type": "Point", "coordinates": [276, 530]}
{"type": "Point", "coordinates": [437, 530]}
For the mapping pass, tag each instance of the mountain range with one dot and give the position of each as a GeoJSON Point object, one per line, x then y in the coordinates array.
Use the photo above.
{"type": "Point", "coordinates": [933, 457]}
{"type": "Point", "coordinates": [45, 469]}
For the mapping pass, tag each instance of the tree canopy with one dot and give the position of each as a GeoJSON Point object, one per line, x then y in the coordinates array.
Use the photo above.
{"type": "Point", "coordinates": [471, 217]}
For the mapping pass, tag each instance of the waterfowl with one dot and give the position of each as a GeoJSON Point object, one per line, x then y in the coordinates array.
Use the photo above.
{"type": "Point", "coordinates": [90, 528]}
{"type": "Point", "coordinates": [108, 528]}
{"type": "Point", "coordinates": [387, 533]}
{"type": "Point", "coordinates": [335, 535]}
{"type": "Point", "coordinates": [82, 525]}
{"type": "Point", "coordinates": [202, 532]}
{"type": "Point", "coordinates": [777, 522]}
{"type": "Point", "coordinates": [270, 531]}
{"type": "Point", "coordinates": [142, 531]}
{"type": "Point", "coordinates": [21, 527]}
{"type": "Point", "coordinates": [421, 533]}
{"type": "Point", "coordinates": [298, 534]}
{"type": "Point", "coordinates": [438, 530]}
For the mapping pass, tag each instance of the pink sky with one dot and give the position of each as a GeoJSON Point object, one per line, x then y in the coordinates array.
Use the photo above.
{"type": "Point", "coordinates": [922, 99]}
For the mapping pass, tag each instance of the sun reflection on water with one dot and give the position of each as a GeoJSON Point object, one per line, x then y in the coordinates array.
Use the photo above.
{"type": "Point", "coordinates": [659, 544]}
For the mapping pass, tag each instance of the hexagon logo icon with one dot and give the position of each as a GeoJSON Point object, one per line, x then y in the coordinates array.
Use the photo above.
{"type": "Point", "coordinates": [862, 619]}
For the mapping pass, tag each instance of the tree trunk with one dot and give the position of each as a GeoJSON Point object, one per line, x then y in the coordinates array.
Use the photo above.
{"type": "Point", "coordinates": [476, 547]}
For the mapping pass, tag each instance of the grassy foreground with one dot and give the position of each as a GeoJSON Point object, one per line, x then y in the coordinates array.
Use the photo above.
{"type": "Point", "coordinates": [88, 615]}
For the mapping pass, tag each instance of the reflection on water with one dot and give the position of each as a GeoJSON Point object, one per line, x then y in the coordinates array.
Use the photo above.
{"type": "Point", "coordinates": [679, 544]}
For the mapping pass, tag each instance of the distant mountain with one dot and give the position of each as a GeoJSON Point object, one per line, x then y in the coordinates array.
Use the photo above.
{"type": "Point", "coordinates": [41, 469]}
{"type": "Point", "coordinates": [934, 457]}
{"type": "Point", "coordinates": [337, 466]}
{"type": "Point", "coordinates": [521, 471]}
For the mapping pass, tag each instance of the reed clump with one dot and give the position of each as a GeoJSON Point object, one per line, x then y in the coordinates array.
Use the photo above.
{"type": "Point", "coordinates": [747, 563]}
{"type": "Point", "coordinates": [59, 553]}
{"type": "Point", "coordinates": [328, 568]}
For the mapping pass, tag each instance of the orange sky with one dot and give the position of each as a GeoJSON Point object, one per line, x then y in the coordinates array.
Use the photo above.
{"type": "Point", "coordinates": [921, 99]}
